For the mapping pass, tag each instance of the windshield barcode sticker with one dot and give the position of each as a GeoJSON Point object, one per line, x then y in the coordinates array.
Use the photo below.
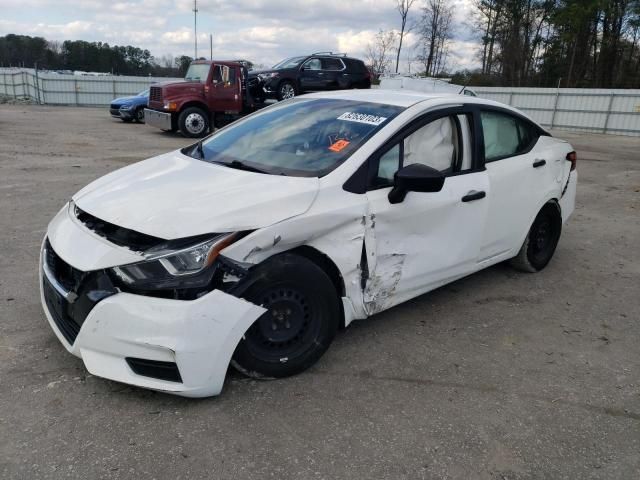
{"type": "Point", "coordinates": [362, 118]}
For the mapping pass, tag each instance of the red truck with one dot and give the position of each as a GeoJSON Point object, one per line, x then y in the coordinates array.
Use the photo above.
{"type": "Point", "coordinates": [212, 94]}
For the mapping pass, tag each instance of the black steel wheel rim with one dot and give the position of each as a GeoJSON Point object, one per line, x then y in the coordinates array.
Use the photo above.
{"type": "Point", "coordinates": [287, 329]}
{"type": "Point", "coordinates": [542, 238]}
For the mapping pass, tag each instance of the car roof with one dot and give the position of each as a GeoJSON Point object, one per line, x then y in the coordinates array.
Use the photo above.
{"type": "Point", "coordinates": [400, 98]}
{"type": "Point", "coordinates": [407, 98]}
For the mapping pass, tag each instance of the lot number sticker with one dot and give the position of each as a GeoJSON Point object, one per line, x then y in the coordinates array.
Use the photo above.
{"type": "Point", "coordinates": [362, 118]}
{"type": "Point", "coordinates": [339, 145]}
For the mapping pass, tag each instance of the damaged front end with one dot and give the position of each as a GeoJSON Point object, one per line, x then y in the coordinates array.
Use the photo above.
{"type": "Point", "coordinates": [159, 314]}
{"type": "Point", "coordinates": [181, 269]}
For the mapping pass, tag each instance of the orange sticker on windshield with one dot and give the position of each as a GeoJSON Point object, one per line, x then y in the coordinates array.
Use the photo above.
{"type": "Point", "coordinates": [339, 145]}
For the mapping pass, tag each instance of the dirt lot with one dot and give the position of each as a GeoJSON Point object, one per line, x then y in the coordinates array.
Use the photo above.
{"type": "Point", "coordinates": [501, 375]}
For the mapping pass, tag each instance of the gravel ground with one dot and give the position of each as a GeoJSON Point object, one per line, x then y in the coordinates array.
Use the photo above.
{"type": "Point", "coordinates": [501, 375]}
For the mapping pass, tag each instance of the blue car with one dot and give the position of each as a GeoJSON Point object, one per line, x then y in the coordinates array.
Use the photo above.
{"type": "Point", "coordinates": [129, 109]}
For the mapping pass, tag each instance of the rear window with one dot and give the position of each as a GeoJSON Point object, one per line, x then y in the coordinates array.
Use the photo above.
{"type": "Point", "coordinates": [299, 137]}
{"type": "Point", "coordinates": [331, 64]}
{"type": "Point", "coordinates": [357, 66]}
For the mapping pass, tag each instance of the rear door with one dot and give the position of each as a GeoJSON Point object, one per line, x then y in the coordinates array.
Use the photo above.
{"type": "Point", "coordinates": [520, 176]}
{"type": "Point", "coordinates": [224, 91]}
{"type": "Point", "coordinates": [428, 239]}
{"type": "Point", "coordinates": [333, 70]}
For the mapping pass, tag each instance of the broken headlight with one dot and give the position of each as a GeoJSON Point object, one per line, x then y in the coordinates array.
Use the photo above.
{"type": "Point", "coordinates": [171, 267]}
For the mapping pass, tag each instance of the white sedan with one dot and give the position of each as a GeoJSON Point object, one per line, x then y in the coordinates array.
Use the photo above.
{"type": "Point", "coordinates": [256, 245]}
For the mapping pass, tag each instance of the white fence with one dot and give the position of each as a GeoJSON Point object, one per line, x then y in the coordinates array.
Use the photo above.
{"type": "Point", "coordinates": [49, 88]}
{"type": "Point", "coordinates": [589, 110]}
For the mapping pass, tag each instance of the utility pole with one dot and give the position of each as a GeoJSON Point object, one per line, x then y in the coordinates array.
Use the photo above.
{"type": "Point", "coordinates": [210, 46]}
{"type": "Point", "coordinates": [195, 27]}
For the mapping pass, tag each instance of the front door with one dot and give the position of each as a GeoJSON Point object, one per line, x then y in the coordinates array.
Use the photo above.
{"type": "Point", "coordinates": [311, 75]}
{"type": "Point", "coordinates": [224, 92]}
{"type": "Point", "coordinates": [428, 239]}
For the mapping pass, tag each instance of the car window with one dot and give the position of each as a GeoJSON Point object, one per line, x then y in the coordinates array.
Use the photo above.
{"type": "Point", "coordinates": [505, 135]}
{"type": "Point", "coordinates": [197, 72]}
{"type": "Point", "coordinates": [289, 63]}
{"type": "Point", "coordinates": [331, 64]}
{"type": "Point", "coordinates": [312, 64]}
{"type": "Point", "coordinates": [388, 165]}
{"type": "Point", "coordinates": [436, 145]}
{"type": "Point", "coordinates": [439, 144]}
{"type": "Point", "coordinates": [300, 137]}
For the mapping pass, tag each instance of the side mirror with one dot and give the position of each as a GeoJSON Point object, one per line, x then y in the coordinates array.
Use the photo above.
{"type": "Point", "coordinates": [225, 74]}
{"type": "Point", "coordinates": [415, 178]}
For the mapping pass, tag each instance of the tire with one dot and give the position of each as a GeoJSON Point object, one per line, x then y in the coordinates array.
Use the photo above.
{"type": "Point", "coordinates": [194, 122]}
{"type": "Point", "coordinates": [140, 115]}
{"type": "Point", "coordinates": [286, 90]}
{"type": "Point", "coordinates": [541, 241]}
{"type": "Point", "coordinates": [302, 318]}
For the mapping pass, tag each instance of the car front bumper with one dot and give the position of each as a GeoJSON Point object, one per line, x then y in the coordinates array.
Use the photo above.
{"type": "Point", "coordinates": [122, 114]}
{"type": "Point", "coordinates": [198, 337]}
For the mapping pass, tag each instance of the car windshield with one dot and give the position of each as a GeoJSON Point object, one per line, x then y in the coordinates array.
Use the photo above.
{"type": "Point", "coordinates": [144, 93]}
{"type": "Point", "coordinates": [290, 62]}
{"type": "Point", "coordinates": [299, 137]}
{"type": "Point", "coordinates": [197, 72]}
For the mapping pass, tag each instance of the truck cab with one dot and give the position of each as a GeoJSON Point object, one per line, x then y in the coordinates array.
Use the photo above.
{"type": "Point", "coordinates": [212, 94]}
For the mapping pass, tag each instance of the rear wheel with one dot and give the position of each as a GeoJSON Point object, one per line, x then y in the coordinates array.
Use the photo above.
{"type": "Point", "coordinates": [541, 242]}
{"type": "Point", "coordinates": [193, 122]}
{"type": "Point", "coordinates": [302, 318]}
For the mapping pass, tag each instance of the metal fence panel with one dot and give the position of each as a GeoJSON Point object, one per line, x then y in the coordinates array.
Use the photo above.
{"type": "Point", "coordinates": [83, 90]}
{"type": "Point", "coordinates": [591, 110]}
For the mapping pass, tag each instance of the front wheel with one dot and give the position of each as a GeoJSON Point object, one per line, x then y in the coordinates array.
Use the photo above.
{"type": "Point", "coordinates": [541, 242]}
{"type": "Point", "coordinates": [286, 90]}
{"type": "Point", "coordinates": [193, 122]}
{"type": "Point", "coordinates": [302, 318]}
{"type": "Point", "coordinates": [140, 115]}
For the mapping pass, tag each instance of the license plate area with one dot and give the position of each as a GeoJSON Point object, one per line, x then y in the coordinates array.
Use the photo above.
{"type": "Point", "coordinates": [57, 306]}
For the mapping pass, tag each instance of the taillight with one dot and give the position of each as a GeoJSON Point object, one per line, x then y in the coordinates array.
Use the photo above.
{"type": "Point", "coordinates": [573, 158]}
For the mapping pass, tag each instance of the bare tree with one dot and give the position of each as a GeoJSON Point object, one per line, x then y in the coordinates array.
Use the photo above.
{"type": "Point", "coordinates": [403, 7]}
{"type": "Point", "coordinates": [435, 29]}
{"type": "Point", "coordinates": [378, 52]}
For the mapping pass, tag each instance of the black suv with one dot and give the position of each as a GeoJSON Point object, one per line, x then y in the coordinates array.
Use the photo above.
{"type": "Point", "coordinates": [319, 71]}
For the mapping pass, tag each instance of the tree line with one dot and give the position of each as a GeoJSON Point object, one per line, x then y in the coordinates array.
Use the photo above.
{"type": "Point", "coordinates": [27, 51]}
{"type": "Point", "coordinates": [541, 43]}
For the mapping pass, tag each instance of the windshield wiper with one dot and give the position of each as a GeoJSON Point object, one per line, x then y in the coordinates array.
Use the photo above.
{"type": "Point", "coordinates": [238, 165]}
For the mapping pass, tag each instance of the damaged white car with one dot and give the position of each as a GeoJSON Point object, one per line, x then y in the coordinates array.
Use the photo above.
{"type": "Point", "coordinates": [254, 246]}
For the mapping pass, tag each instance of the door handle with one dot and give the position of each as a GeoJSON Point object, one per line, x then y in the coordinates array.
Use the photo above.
{"type": "Point", "coordinates": [473, 195]}
{"type": "Point", "coordinates": [539, 163]}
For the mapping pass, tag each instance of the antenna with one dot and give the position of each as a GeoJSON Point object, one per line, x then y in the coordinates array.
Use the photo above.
{"type": "Point", "coordinates": [466, 84]}
{"type": "Point", "coordinates": [195, 27]}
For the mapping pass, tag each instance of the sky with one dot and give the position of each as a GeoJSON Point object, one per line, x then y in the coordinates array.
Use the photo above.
{"type": "Point", "coordinates": [263, 31]}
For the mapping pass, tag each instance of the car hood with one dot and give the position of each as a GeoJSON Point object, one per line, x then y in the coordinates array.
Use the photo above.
{"type": "Point", "coordinates": [255, 73]}
{"type": "Point", "coordinates": [122, 100]}
{"type": "Point", "coordinates": [174, 196]}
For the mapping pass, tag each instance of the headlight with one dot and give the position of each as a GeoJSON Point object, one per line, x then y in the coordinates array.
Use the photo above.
{"type": "Point", "coordinates": [125, 107]}
{"type": "Point", "coordinates": [165, 268]}
{"type": "Point", "coordinates": [265, 76]}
